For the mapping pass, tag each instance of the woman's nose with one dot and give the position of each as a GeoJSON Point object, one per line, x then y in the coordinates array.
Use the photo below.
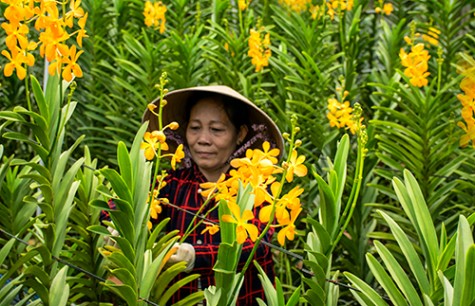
{"type": "Point", "coordinates": [204, 137]}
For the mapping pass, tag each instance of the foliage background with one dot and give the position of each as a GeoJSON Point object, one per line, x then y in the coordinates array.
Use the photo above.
{"type": "Point", "coordinates": [313, 60]}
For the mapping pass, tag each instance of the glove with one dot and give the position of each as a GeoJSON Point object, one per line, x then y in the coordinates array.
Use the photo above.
{"type": "Point", "coordinates": [186, 253]}
{"type": "Point", "coordinates": [108, 240]}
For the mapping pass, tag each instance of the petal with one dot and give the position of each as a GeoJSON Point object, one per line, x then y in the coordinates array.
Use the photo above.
{"type": "Point", "coordinates": [281, 236]}
{"type": "Point", "coordinates": [8, 69]}
{"type": "Point", "coordinates": [77, 71]}
{"type": "Point", "coordinates": [289, 177]}
{"type": "Point", "coordinates": [247, 215]}
{"type": "Point", "coordinates": [149, 153]}
{"type": "Point", "coordinates": [67, 75]}
{"type": "Point", "coordinates": [241, 234]}
{"type": "Point", "coordinates": [253, 231]}
{"type": "Point", "coordinates": [264, 213]}
{"type": "Point", "coordinates": [235, 210]}
{"type": "Point", "coordinates": [290, 233]}
{"type": "Point", "coordinates": [300, 170]}
{"type": "Point", "coordinates": [228, 218]}
{"type": "Point", "coordinates": [20, 72]}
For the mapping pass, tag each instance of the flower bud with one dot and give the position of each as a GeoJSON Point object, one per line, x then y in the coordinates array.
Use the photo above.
{"type": "Point", "coordinates": [151, 107]}
{"type": "Point", "coordinates": [174, 125]}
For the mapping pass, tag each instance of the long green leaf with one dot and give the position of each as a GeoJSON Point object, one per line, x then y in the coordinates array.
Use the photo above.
{"type": "Point", "coordinates": [410, 253]}
{"type": "Point", "coordinates": [373, 298]}
{"type": "Point", "coordinates": [59, 291]}
{"type": "Point", "coordinates": [464, 243]}
{"type": "Point", "coordinates": [385, 281]}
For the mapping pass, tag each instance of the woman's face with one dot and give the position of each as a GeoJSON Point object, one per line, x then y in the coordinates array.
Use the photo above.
{"type": "Point", "coordinates": [211, 137]}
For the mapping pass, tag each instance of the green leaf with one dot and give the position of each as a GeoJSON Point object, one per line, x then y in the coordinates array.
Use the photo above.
{"type": "Point", "coordinates": [59, 291]}
{"type": "Point", "coordinates": [119, 260]}
{"type": "Point", "coordinates": [372, 297]}
{"type": "Point", "coordinates": [118, 184]}
{"type": "Point", "coordinates": [468, 291]}
{"type": "Point", "coordinates": [385, 281]}
{"type": "Point", "coordinates": [9, 292]}
{"type": "Point", "coordinates": [6, 250]}
{"type": "Point", "coordinates": [272, 298]}
{"type": "Point", "coordinates": [126, 277]}
{"type": "Point", "coordinates": [98, 229]}
{"type": "Point", "coordinates": [340, 164]}
{"type": "Point", "coordinates": [128, 294]}
{"type": "Point", "coordinates": [156, 231]}
{"type": "Point", "coordinates": [40, 98]}
{"type": "Point", "coordinates": [192, 299]}
{"type": "Point", "coordinates": [173, 288]}
{"type": "Point", "coordinates": [410, 253]}
{"type": "Point", "coordinates": [424, 222]}
{"type": "Point", "coordinates": [38, 273]}
{"type": "Point", "coordinates": [151, 272]}
{"type": "Point", "coordinates": [164, 279]}
{"type": "Point", "coordinates": [227, 229]}
{"type": "Point", "coordinates": [125, 164]}
{"type": "Point", "coordinates": [398, 274]}
{"type": "Point", "coordinates": [328, 214]}
{"type": "Point", "coordinates": [212, 295]}
{"type": "Point", "coordinates": [464, 244]}
{"type": "Point", "coordinates": [323, 240]}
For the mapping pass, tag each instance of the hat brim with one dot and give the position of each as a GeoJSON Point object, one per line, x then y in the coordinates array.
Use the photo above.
{"type": "Point", "coordinates": [175, 110]}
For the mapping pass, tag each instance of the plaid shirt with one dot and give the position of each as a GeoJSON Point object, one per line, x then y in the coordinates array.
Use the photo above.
{"type": "Point", "coordinates": [182, 189]}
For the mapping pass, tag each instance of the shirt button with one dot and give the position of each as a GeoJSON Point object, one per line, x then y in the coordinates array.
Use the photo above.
{"type": "Point", "coordinates": [199, 241]}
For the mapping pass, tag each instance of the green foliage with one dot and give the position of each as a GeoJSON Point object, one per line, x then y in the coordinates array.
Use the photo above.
{"type": "Point", "coordinates": [275, 296]}
{"type": "Point", "coordinates": [428, 258]}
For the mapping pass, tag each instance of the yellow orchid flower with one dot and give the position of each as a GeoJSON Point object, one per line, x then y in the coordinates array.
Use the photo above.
{"type": "Point", "coordinates": [209, 188]}
{"type": "Point", "coordinates": [295, 166]}
{"type": "Point", "coordinates": [178, 156]}
{"type": "Point", "coordinates": [210, 228]}
{"type": "Point", "coordinates": [243, 229]}
{"type": "Point", "coordinates": [152, 142]}
{"type": "Point", "coordinates": [289, 230]}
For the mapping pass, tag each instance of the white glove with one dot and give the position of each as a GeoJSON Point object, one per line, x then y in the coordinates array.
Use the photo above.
{"type": "Point", "coordinates": [108, 240]}
{"type": "Point", "coordinates": [186, 253]}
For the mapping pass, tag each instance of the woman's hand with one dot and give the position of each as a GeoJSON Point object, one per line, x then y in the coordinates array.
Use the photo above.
{"type": "Point", "coordinates": [108, 240]}
{"type": "Point", "coordinates": [186, 253]}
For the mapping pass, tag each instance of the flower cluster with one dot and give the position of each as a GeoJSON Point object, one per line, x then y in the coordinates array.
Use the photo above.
{"type": "Point", "coordinates": [337, 6]}
{"type": "Point", "coordinates": [52, 40]}
{"type": "Point", "coordinates": [340, 114]}
{"type": "Point", "coordinates": [243, 4]}
{"type": "Point", "coordinates": [259, 43]}
{"type": "Point", "coordinates": [259, 169]}
{"type": "Point", "coordinates": [154, 14]}
{"type": "Point", "coordinates": [386, 8]}
{"type": "Point", "coordinates": [468, 106]}
{"type": "Point", "coordinates": [432, 36]}
{"type": "Point", "coordinates": [153, 144]}
{"type": "Point", "coordinates": [317, 11]}
{"type": "Point", "coordinates": [155, 141]}
{"type": "Point", "coordinates": [296, 5]}
{"type": "Point", "coordinates": [416, 63]}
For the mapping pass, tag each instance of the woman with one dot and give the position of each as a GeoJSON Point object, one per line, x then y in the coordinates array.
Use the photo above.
{"type": "Point", "coordinates": [217, 124]}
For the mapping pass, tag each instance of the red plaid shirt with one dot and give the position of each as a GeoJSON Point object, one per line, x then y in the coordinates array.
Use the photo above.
{"type": "Point", "coordinates": [182, 189]}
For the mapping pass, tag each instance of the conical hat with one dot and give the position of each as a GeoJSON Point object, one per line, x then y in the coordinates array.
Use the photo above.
{"type": "Point", "coordinates": [175, 110]}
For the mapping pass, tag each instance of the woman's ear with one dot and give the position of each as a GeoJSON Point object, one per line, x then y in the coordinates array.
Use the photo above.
{"type": "Point", "coordinates": [242, 134]}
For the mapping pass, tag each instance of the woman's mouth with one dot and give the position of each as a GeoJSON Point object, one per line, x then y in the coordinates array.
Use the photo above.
{"type": "Point", "coordinates": [204, 154]}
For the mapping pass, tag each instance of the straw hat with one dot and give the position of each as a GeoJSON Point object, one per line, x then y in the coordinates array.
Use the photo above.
{"type": "Point", "coordinates": [262, 126]}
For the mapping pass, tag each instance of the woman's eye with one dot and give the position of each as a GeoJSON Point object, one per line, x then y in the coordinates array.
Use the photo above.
{"type": "Point", "coordinates": [217, 130]}
{"type": "Point", "coordinates": [194, 128]}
